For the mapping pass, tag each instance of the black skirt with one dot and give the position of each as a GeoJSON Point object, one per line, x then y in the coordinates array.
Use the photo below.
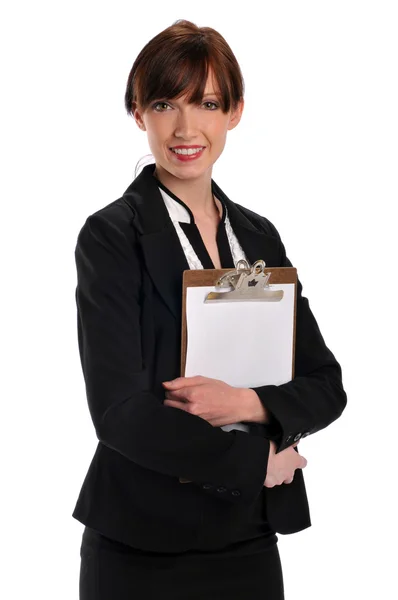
{"type": "Point", "coordinates": [111, 570]}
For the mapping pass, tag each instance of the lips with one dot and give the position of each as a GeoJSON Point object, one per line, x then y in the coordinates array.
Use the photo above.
{"type": "Point", "coordinates": [188, 157]}
{"type": "Point", "coordinates": [186, 147]}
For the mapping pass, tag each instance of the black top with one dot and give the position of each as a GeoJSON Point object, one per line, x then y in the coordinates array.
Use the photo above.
{"type": "Point", "coordinates": [255, 534]}
{"type": "Point", "coordinates": [193, 234]}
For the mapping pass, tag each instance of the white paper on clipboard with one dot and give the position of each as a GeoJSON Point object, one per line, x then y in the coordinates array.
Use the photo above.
{"type": "Point", "coordinates": [245, 344]}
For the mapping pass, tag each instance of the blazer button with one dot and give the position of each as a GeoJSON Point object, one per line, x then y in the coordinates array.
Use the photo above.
{"type": "Point", "coordinates": [297, 437]}
{"type": "Point", "coordinates": [221, 489]}
{"type": "Point", "coordinates": [207, 486]}
{"type": "Point", "coordinates": [235, 492]}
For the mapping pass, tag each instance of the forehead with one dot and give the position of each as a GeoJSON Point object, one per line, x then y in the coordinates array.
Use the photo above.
{"type": "Point", "coordinates": [211, 87]}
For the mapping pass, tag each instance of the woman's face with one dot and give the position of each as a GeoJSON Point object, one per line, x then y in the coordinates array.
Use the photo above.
{"type": "Point", "coordinates": [177, 123]}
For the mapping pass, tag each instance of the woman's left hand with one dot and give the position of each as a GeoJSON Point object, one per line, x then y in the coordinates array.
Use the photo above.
{"type": "Point", "coordinates": [211, 399]}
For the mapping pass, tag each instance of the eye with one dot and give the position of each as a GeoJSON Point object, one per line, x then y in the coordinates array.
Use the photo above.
{"type": "Point", "coordinates": [157, 103]}
{"type": "Point", "coordinates": [166, 104]}
{"type": "Point", "coordinates": [213, 103]}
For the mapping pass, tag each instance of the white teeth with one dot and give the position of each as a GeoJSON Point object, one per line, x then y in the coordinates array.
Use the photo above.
{"type": "Point", "coordinates": [186, 150]}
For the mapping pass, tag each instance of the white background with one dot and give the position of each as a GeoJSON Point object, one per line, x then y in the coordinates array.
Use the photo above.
{"type": "Point", "coordinates": [315, 152]}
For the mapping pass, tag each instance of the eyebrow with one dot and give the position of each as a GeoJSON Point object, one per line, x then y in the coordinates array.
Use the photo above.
{"type": "Point", "coordinates": [205, 95]}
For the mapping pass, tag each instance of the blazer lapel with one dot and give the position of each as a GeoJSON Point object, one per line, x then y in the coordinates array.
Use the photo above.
{"type": "Point", "coordinates": [255, 242]}
{"type": "Point", "coordinates": [164, 257]}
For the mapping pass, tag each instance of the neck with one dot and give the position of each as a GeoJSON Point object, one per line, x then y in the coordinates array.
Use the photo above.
{"type": "Point", "coordinates": [195, 193]}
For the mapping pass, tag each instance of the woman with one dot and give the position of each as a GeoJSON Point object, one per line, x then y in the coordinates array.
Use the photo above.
{"type": "Point", "coordinates": [174, 506]}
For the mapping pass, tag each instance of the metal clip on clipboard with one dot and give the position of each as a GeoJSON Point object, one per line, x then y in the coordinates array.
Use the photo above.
{"type": "Point", "coordinates": [248, 283]}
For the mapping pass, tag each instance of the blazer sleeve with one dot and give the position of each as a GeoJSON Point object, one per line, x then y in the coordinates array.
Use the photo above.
{"type": "Point", "coordinates": [128, 417]}
{"type": "Point", "coordinates": [315, 397]}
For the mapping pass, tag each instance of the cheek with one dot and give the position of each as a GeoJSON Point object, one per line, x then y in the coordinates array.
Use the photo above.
{"type": "Point", "coordinates": [219, 133]}
{"type": "Point", "coordinates": [156, 131]}
{"type": "Point", "coordinates": [153, 137]}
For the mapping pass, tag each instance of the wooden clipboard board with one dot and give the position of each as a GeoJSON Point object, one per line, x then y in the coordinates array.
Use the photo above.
{"type": "Point", "coordinates": [210, 277]}
{"type": "Point", "coordinates": [213, 277]}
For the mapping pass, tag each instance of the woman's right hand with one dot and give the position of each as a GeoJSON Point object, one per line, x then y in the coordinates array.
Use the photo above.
{"type": "Point", "coordinates": [281, 466]}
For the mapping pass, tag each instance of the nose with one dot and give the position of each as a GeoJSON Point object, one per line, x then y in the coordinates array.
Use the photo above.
{"type": "Point", "coordinates": [186, 123]}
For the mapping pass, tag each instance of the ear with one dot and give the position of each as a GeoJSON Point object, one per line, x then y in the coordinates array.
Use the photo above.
{"type": "Point", "coordinates": [236, 114]}
{"type": "Point", "coordinates": [138, 116]}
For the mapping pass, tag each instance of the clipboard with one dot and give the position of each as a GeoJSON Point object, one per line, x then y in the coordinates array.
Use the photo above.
{"type": "Point", "coordinates": [245, 284]}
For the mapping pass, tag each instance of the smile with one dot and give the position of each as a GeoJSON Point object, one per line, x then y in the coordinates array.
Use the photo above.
{"type": "Point", "coordinates": [185, 154]}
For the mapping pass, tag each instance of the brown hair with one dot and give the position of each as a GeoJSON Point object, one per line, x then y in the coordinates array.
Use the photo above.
{"type": "Point", "coordinates": [177, 61]}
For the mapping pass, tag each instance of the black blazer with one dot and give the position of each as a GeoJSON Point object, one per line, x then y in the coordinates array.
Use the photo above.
{"type": "Point", "coordinates": [129, 264]}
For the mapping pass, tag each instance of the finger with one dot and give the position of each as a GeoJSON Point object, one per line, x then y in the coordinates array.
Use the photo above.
{"type": "Point", "coordinates": [183, 382]}
{"type": "Point", "coordinates": [289, 480]}
{"type": "Point", "coordinates": [181, 395]}
{"type": "Point", "coordinates": [175, 404]}
{"type": "Point", "coordinates": [178, 395]}
{"type": "Point", "coordinates": [270, 481]}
